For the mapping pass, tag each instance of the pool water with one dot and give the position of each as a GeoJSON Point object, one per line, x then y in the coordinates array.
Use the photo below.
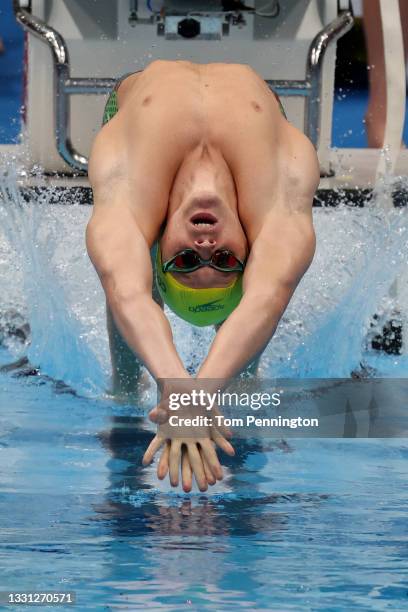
{"type": "Point", "coordinates": [295, 525]}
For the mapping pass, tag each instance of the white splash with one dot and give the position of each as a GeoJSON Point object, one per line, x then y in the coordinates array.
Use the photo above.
{"type": "Point", "coordinates": [50, 280]}
{"type": "Point", "coordinates": [59, 343]}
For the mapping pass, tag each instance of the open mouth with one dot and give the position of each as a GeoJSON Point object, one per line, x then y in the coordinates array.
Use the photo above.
{"type": "Point", "coordinates": [204, 220]}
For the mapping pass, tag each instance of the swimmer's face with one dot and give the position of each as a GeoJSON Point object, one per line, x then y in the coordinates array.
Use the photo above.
{"type": "Point", "coordinates": [205, 225]}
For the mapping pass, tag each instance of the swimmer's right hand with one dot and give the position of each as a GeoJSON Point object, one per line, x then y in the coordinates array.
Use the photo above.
{"type": "Point", "coordinates": [195, 452]}
{"type": "Point", "coordinates": [195, 457]}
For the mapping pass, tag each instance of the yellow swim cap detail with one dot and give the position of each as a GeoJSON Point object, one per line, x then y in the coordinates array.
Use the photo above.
{"type": "Point", "coordinates": [199, 307]}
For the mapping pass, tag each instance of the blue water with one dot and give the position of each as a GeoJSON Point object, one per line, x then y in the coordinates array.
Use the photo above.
{"type": "Point", "coordinates": [295, 525]}
{"type": "Point", "coordinates": [306, 525]}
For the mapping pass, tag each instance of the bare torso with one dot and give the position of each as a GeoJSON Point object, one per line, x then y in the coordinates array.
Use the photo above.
{"type": "Point", "coordinates": [168, 116]}
{"type": "Point", "coordinates": [171, 110]}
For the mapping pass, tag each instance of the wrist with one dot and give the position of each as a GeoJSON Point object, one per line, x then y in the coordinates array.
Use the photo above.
{"type": "Point", "coordinates": [171, 381]}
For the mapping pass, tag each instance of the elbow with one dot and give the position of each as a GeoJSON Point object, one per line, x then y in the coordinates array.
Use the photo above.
{"type": "Point", "coordinates": [91, 235]}
{"type": "Point", "coordinates": [277, 302]}
{"type": "Point", "coordinates": [311, 247]}
{"type": "Point", "coordinates": [114, 262]}
{"type": "Point", "coordinates": [121, 295]}
{"type": "Point", "coordinates": [96, 239]}
{"type": "Point", "coordinates": [103, 257]}
{"type": "Point", "coordinates": [269, 303]}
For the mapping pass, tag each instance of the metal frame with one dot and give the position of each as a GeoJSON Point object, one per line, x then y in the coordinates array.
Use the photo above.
{"type": "Point", "coordinates": [65, 86]}
{"type": "Point", "coordinates": [311, 87]}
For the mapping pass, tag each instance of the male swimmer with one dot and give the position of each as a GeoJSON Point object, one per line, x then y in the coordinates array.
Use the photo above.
{"type": "Point", "coordinates": [199, 160]}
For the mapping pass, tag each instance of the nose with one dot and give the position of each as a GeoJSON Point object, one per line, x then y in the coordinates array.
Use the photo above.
{"type": "Point", "coordinates": [205, 246]}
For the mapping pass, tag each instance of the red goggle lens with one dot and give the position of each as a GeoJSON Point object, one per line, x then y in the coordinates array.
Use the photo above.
{"type": "Point", "coordinates": [186, 260]}
{"type": "Point", "coordinates": [225, 259]}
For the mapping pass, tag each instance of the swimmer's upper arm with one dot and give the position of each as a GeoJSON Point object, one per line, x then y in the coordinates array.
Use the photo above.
{"type": "Point", "coordinates": [107, 160]}
{"type": "Point", "coordinates": [127, 214]}
{"type": "Point", "coordinates": [119, 252]}
{"type": "Point", "coordinates": [126, 176]}
{"type": "Point", "coordinates": [285, 245]}
{"type": "Point", "coordinates": [299, 172]}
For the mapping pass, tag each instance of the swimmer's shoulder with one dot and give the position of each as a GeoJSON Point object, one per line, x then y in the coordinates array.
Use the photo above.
{"type": "Point", "coordinates": [107, 160]}
{"type": "Point", "coordinates": [299, 164]}
{"type": "Point", "coordinates": [156, 70]}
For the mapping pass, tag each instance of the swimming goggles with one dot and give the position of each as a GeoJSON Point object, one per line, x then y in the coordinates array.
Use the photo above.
{"type": "Point", "coordinates": [189, 260]}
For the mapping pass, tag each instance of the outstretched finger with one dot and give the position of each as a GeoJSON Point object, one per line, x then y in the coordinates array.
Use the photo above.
{"type": "Point", "coordinates": [163, 466]}
{"type": "Point", "coordinates": [222, 442]}
{"type": "Point", "coordinates": [174, 462]}
{"type": "Point", "coordinates": [208, 450]}
{"type": "Point", "coordinates": [208, 473]}
{"type": "Point", "coordinates": [197, 466]}
{"type": "Point", "coordinates": [186, 471]}
{"type": "Point", "coordinates": [152, 449]}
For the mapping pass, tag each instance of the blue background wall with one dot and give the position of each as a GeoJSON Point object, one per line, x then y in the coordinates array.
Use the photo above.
{"type": "Point", "coordinates": [11, 74]}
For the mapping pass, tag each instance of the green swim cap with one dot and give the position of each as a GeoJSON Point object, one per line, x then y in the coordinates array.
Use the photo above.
{"type": "Point", "coordinates": [199, 307]}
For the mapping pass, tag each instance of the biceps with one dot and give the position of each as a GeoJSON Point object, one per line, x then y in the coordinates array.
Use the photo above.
{"type": "Point", "coordinates": [121, 257]}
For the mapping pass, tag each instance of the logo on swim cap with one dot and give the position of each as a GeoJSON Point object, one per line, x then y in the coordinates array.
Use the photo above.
{"type": "Point", "coordinates": [200, 307]}
{"type": "Point", "coordinates": [207, 307]}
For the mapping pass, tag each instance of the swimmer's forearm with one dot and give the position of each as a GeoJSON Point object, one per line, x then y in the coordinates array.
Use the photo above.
{"type": "Point", "coordinates": [147, 332]}
{"type": "Point", "coordinates": [244, 335]}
